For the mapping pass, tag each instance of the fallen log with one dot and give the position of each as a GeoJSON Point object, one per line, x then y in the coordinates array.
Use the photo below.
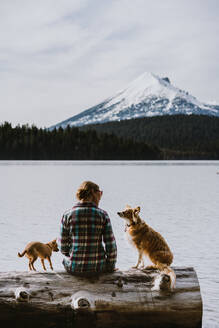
{"type": "Point", "coordinates": [123, 299]}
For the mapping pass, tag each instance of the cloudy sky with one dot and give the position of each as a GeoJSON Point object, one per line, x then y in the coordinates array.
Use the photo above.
{"type": "Point", "coordinates": [59, 57]}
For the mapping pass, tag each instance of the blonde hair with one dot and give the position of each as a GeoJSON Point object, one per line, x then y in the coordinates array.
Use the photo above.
{"type": "Point", "coordinates": [84, 192]}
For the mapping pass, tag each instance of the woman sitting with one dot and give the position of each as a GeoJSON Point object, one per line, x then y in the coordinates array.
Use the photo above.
{"type": "Point", "coordinates": [83, 231]}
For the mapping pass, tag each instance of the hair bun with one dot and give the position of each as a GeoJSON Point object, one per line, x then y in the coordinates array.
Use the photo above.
{"type": "Point", "coordinates": [83, 193]}
{"type": "Point", "coordinates": [85, 190]}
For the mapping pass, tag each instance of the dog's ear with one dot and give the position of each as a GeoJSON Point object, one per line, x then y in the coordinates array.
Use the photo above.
{"type": "Point", "coordinates": [134, 218]}
{"type": "Point", "coordinates": [54, 241]}
{"type": "Point", "coordinates": [128, 207]}
{"type": "Point", "coordinates": [137, 209]}
{"type": "Point", "coordinates": [135, 213]}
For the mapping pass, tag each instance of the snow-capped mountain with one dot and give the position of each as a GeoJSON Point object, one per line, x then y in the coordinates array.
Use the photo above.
{"type": "Point", "coordinates": [148, 95]}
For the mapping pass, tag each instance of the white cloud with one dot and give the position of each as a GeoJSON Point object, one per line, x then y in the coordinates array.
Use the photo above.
{"type": "Point", "coordinates": [60, 57]}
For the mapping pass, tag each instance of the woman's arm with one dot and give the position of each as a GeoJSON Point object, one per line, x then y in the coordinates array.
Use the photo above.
{"type": "Point", "coordinates": [64, 238]}
{"type": "Point", "coordinates": [110, 244]}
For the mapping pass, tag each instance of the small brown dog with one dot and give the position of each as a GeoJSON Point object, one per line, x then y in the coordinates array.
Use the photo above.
{"type": "Point", "coordinates": [35, 249]}
{"type": "Point", "coordinates": [148, 242]}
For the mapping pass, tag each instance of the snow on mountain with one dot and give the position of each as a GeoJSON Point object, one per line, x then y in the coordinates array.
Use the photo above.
{"type": "Point", "coordinates": [148, 95]}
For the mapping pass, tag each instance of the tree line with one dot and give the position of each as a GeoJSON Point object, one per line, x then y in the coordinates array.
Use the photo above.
{"type": "Point", "coordinates": [178, 136]}
{"type": "Point", "coordinates": [155, 138]}
{"type": "Point", "coordinates": [31, 143]}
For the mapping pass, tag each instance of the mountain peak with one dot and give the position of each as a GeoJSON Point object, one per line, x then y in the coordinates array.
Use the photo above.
{"type": "Point", "coordinates": [146, 85]}
{"type": "Point", "coordinates": [166, 79]}
{"type": "Point", "coordinates": [147, 95]}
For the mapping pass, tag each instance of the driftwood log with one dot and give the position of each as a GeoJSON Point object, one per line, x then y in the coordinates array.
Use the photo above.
{"type": "Point", "coordinates": [123, 299]}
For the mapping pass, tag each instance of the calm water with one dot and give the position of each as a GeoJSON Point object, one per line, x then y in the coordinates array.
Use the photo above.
{"type": "Point", "coordinates": [178, 199]}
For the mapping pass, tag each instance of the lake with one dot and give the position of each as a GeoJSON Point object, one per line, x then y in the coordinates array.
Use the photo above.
{"type": "Point", "coordinates": [180, 199]}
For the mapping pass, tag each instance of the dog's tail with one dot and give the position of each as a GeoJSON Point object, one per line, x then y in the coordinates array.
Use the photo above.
{"type": "Point", "coordinates": [170, 272]}
{"type": "Point", "coordinates": [22, 254]}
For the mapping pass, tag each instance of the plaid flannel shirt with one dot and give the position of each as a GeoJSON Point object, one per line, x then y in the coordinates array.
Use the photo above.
{"type": "Point", "coordinates": [83, 228]}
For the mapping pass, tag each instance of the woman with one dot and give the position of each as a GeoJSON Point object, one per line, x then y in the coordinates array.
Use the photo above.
{"type": "Point", "coordinates": [83, 228]}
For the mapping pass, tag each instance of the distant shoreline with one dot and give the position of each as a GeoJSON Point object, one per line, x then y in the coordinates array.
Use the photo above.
{"type": "Point", "coordinates": [179, 137]}
{"type": "Point", "coordinates": [113, 162]}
